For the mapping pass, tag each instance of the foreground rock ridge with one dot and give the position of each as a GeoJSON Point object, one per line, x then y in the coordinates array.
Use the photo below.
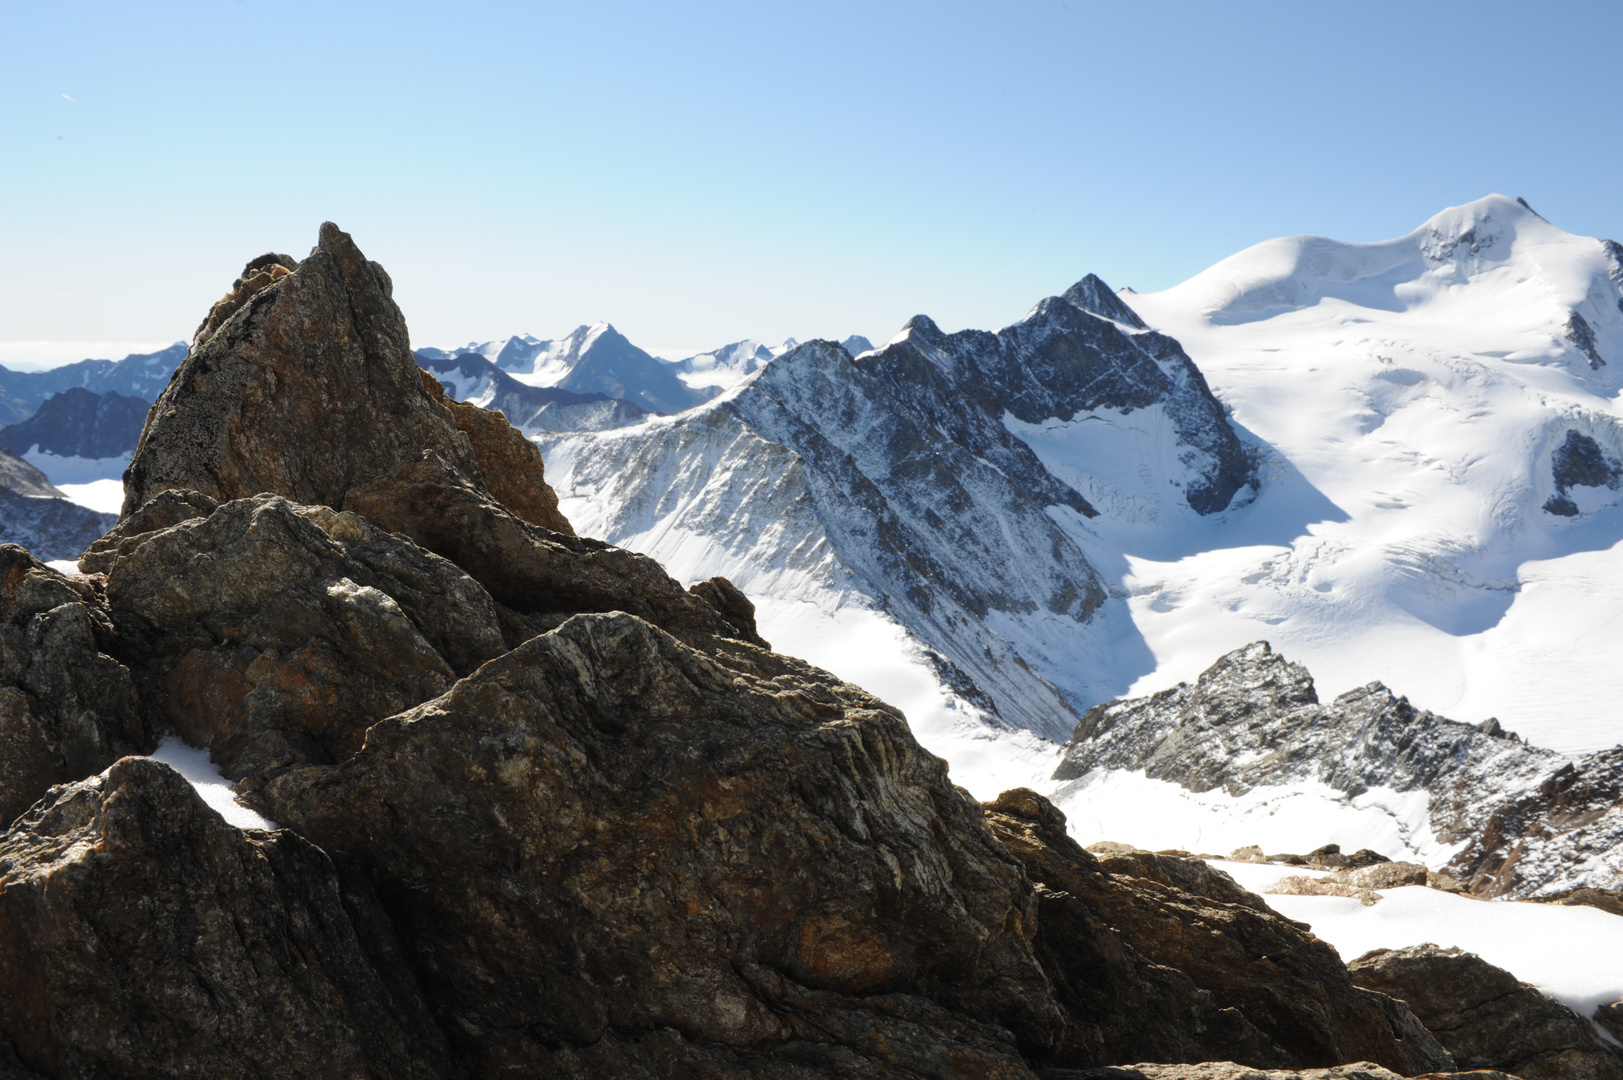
{"type": "Point", "coordinates": [540, 811]}
{"type": "Point", "coordinates": [1528, 823]}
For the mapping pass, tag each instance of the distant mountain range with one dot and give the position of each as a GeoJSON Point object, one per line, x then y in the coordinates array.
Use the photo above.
{"type": "Point", "coordinates": [890, 503]}
{"type": "Point", "coordinates": [78, 423]}
{"type": "Point", "coordinates": [139, 375]}
{"type": "Point", "coordinates": [593, 378]}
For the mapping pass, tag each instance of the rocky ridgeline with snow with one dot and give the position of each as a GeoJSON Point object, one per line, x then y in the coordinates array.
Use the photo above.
{"type": "Point", "coordinates": [525, 805]}
{"type": "Point", "coordinates": [1509, 819]}
{"type": "Point", "coordinates": [895, 480]}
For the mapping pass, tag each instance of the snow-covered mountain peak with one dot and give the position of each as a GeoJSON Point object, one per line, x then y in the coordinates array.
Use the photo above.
{"type": "Point", "coordinates": [1527, 290]}
{"type": "Point", "coordinates": [1448, 398]}
{"type": "Point", "coordinates": [1092, 295]}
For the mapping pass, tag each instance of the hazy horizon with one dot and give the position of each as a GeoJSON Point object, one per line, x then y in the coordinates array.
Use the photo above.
{"type": "Point", "coordinates": [700, 175]}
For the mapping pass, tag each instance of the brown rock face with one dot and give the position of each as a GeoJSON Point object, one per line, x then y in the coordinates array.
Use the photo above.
{"type": "Point", "coordinates": [272, 633]}
{"type": "Point", "coordinates": [1284, 983]}
{"type": "Point", "coordinates": [1486, 1018]}
{"type": "Point", "coordinates": [734, 606]}
{"type": "Point", "coordinates": [67, 709]}
{"type": "Point", "coordinates": [530, 570]}
{"type": "Point", "coordinates": [511, 464]}
{"type": "Point", "coordinates": [605, 833]}
{"type": "Point", "coordinates": [301, 383]}
{"type": "Point", "coordinates": [140, 935]}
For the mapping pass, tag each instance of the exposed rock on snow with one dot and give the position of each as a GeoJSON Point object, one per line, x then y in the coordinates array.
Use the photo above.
{"type": "Point", "coordinates": [1517, 820]}
{"type": "Point", "coordinates": [1579, 462]}
{"type": "Point", "coordinates": [1487, 1019]}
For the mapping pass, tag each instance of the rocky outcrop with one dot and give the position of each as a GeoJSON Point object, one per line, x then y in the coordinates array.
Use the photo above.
{"type": "Point", "coordinates": [1580, 462]}
{"type": "Point", "coordinates": [1284, 996]}
{"type": "Point", "coordinates": [273, 633]}
{"type": "Point", "coordinates": [300, 383]}
{"type": "Point", "coordinates": [528, 569]}
{"type": "Point", "coordinates": [143, 936]}
{"type": "Point", "coordinates": [511, 464]}
{"type": "Point", "coordinates": [1486, 1018]}
{"type": "Point", "coordinates": [734, 606]}
{"type": "Point", "coordinates": [543, 812]}
{"type": "Point", "coordinates": [67, 708]}
{"type": "Point", "coordinates": [1534, 824]}
{"type": "Point", "coordinates": [605, 833]}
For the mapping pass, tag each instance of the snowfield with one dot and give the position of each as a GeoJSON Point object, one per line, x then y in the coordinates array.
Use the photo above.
{"type": "Point", "coordinates": [1412, 394]}
{"type": "Point", "coordinates": [1570, 953]}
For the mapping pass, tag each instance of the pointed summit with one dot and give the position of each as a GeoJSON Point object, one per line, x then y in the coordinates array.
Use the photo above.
{"type": "Point", "coordinates": [1092, 295]}
{"type": "Point", "coordinates": [301, 382]}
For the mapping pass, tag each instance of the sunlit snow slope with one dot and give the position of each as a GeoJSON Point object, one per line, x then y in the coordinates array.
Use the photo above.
{"type": "Point", "coordinates": [1415, 396]}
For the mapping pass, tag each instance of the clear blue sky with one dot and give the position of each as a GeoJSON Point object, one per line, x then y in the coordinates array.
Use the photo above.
{"type": "Point", "coordinates": [697, 173]}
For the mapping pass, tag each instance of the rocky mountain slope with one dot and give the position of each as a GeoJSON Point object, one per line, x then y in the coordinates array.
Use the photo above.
{"type": "Point", "coordinates": [540, 810]}
{"type": "Point", "coordinates": [1507, 818]}
{"type": "Point", "coordinates": [895, 489]}
{"type": "Point", "coordinates": [39, 516]}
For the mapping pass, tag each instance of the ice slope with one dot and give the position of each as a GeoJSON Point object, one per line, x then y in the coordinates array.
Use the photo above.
{"type": "Point", "coordinates": [1412, 396]}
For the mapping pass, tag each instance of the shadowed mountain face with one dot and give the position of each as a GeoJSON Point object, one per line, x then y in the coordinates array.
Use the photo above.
{"type": "Point", "coordinates": [542, 811]}
{"type": "Point", "coordinates": [78, 423]}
